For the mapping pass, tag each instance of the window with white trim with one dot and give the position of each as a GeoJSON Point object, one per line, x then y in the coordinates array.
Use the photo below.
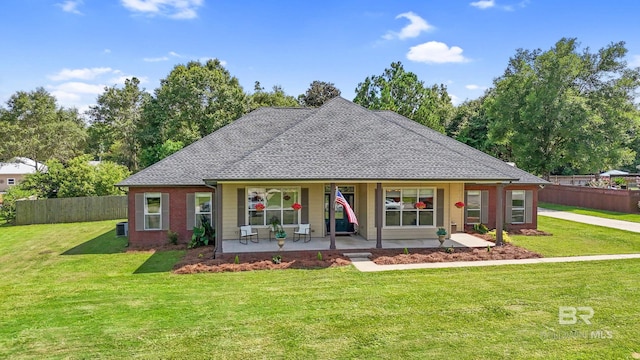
{"type": "Point", "coordinates": [473, 206]}
{"type": "Point", "coordinates": [152, 211]}
{"type": "Point", "coordinates": [410, 207]}
{"type": "Point", "coordinates": [517, 206]}
{"type": "Point", "coordinates": [275, 202]}
{"type": "Point", "coordinates": [203, 208]}
{"type": "Point", "coordinates": [11, 181]}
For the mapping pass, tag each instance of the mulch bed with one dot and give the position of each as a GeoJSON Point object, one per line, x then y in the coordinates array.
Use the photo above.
{"type": "Point", "coordinates": [397, 256]}
{"type": "Point", "coordinates": [201, 259]}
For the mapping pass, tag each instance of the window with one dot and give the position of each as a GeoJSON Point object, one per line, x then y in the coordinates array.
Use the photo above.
{"type": "Point", "coordinates": [517, 206]}
{"type": "Point", "coordinates": [152, 211]}
{"type": "Point", "coordinates": [409, 207]}
{"type": "Point", "coordinates": [203, 208]}
{"type": "Point", "coordinates": [276, 201]}
{"type": "Point", "coordinates": [473, 207]}
{"type": "Point", "coordinates": [11, 181]}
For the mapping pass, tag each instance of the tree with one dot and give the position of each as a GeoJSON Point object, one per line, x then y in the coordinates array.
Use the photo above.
{"type": "Point", "coordinates": [276, 97]}
{"type": "Point", "coordinates": [114, 120]}
{"type": "Point", "coordinates": [76, 178]}
{"type": "Point", "coordinates": [193, 101]}
{"type": "Point", "coordinates": [35, 127]}
{"type": "Point", "coordinates": [565, 108]}
{"type": "Point", "coordinates": [318, 93]}
{"type": "Point", "coordinates": [401, 91]}
{"type": "Point", "coordinates": [155, 153]}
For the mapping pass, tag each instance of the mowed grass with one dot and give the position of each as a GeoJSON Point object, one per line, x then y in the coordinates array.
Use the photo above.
{"type": "Point", "coordinates": [573, 239]}
{"type": "Point", "coordinates": [593, 212]}
{"type": "Point", "coordinates": [67, 291]}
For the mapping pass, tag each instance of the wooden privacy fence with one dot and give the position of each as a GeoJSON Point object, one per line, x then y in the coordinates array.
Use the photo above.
{"type": "Point", "coordinates": [625, 201]}
{"type": "Point", "coordinates": [49, 211]}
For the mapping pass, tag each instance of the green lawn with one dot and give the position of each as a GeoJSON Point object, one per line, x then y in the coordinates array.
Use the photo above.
{"type": "Point", "coordinates": [67, 291]}
{"type": "Point", "coordinates": [593, 212]}
{"type": "Point", "coordinates": [572, 239]}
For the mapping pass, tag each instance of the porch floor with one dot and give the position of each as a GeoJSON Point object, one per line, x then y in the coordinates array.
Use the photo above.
{"type": "Point", "coordinates": [353, 242]}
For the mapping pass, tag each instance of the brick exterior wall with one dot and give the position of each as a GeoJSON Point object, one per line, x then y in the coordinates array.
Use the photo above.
{"type": "Point", "coordinates": [177, 215]}
{"type": "Point", "coordinates": [491, 224]}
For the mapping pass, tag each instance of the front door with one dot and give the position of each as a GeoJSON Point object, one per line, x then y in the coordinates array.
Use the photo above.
{"type": "Point", "coordinates": [342, 221]}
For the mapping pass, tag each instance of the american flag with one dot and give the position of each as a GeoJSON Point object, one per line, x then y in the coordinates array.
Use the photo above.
{"type": "Point", "coordinates": [342, 201]}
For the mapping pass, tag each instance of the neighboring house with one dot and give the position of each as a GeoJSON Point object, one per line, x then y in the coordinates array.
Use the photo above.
{"type": "Point", "coordinates": [12, 173]}
{"type": "Point", "coordinates": [382, 162]}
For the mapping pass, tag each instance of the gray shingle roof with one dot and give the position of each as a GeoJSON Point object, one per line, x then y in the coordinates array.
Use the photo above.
{"type": "Point", "coordinates": [338, 141]}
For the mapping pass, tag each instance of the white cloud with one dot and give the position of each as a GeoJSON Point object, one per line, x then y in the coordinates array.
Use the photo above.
{"type": "Point", "coordinates": [455, 100]}
{"type": "Point", "coordinates": [173, 53]}
{"type": "Point", "coordinates": [76, 87]}
{"type": "Point", "coordinates": [475, 87]}
{"type": "Point", "coordinates": [156, 59]}
{"type": "Point", "coordinates": [436, 52]}
{"type": "Point", "coordinates": [416, 26]}
{"type": "Point", "coordinates": [71, 6]}
{"type": "Point", "coordinates": [120, 79]}
{"type": "Point", "coordinates": [82, 74]}
{"type": "Point", "coordinates": [635, 61]}
{"type": "Point", "coordinates": [176, 9]}
{"type": "Point", "coordinates": [483, 4]}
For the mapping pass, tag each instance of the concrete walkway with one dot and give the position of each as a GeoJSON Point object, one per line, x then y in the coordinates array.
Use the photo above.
{"type": "Point", "coordinates": [593, 220]}
{"type": "Point", "coordinates": [365, 265]}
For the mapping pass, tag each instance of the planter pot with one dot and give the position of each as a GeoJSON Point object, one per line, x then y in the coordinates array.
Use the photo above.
{"type": "Point", "coordinates": [281, 242]}
{"type": "Point", "coordinates": [441, 239]}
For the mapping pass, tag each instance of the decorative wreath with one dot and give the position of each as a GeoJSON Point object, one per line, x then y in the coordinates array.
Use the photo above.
{"type": "Point", "coordinates": [259, 206]}
{"type": "Point", "coordinates": [296, 206]}
{"type": "Point", "coordinates": [420, 205]}
{"type": "Point", "coordinates": [459, 204]}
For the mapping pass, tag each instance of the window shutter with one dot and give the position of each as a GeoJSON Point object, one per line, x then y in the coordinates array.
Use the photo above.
{"type": "Point", "coordinates": [528, 205]}
{"type": "Point", "coordinates": [304, 201]}
{"type": "Point", "coordinates": [139, 212]}
{"type": "Point", "coordinates": [440, 207]}
{"type": "Point", "coordinates": [466, 202]}
{"type": "Point", "coordinates": [241, 202]}
{"type": "Point", "coordinates": [191, 211]}
{"type": "Point", "coordinates": [508, 215]}
{"type": "Point", "coordinates": [484, 207]}
{"type": "Point", "coordinates": [165, 211]}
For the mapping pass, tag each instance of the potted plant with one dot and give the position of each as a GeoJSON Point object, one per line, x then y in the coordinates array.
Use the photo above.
{"type": "Point", "coordinates": [441, 234]}
{"type": "Point", "coordinates": [278, 231]}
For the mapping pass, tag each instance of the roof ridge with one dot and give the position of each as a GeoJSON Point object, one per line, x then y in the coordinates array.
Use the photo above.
{"type": "Point", "coordinates": [443, 144]}
{"type": "Point", "coordinates": [295, 123]}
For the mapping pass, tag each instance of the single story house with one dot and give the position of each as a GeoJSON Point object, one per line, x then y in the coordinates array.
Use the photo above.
{"type": "Point", "coordinates": [13, 171]}
{"type": "Point", "coordinates": [278, 157]}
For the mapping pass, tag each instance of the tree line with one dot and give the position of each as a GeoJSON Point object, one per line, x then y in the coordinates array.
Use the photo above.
{"type": "Point", "coordinates": [564, 110]}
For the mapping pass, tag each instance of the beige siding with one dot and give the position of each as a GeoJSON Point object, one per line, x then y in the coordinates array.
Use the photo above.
{"type": "Point", "coordinates": [362, 204]}
{"type": "Point", "coordinates": [4, 186]}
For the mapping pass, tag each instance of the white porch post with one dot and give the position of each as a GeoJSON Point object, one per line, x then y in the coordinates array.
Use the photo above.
{"type": "Point", "coordinates": [218, 207]}
{"type": "Point", "coordinates": [332, 216]}
{"type": "Point", "coordinates": [499, 213]}
{"type": "Point", "coordinates": [378, 213]}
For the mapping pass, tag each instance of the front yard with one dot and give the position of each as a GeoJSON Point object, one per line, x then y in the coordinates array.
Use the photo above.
{"type": "Point", "coordinates": [68, 291]}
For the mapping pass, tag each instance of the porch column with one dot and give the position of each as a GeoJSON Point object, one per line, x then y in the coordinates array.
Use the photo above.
{"type": "Point", "coordinates": [218, 205]}
{"type": "Point", "coordinates": [499, 213]}
{"type": "Point", "coordinates": [378, 214]}
{"type": "Point", "coordinates": [332, 216]}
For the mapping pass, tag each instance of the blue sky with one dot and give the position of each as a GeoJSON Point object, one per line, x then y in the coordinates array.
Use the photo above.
{"type": "Point", "coordinates": [75, 48]}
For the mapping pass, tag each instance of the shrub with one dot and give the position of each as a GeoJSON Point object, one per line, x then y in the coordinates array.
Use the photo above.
{"type": "Point", "coordinates": [480, 228]}
{"type": "Point", "coordinates": [276, 259]}
{"type": "Point", "coordinates": [319, 256]}
{"type": "Point", "coordinates": [505, 236]}
{"type": "Point", "coordinates": [406, 251]}
{"type": "Point", "coordinates": [450, 250]}
{"type": "Point", "coordinates": [236, 260]}
{"type": "Point", "coordinates": [173, 237]}
{"type": "Point", "coordinates": [8, 208]}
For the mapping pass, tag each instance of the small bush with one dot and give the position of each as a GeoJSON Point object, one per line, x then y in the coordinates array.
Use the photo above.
{"type": "Point", "coordinates": [488, 248]}
{"type": "Point", "coordinates": [236, 260]}
{"type": "Point", "coordinates": [319, 256]}
{"type": "Point", "coordinates": [173, 237]}
{"type": "Point", "coordinates": [276, 259]}
{"type": "Point", "coordinates": [406, 251]}
{"type": "Point", "coordinates": [505, 236]}
{"type": "Point", "coordinates": [480, 228]}
{"type": "Point", "coordinates": [450, 250]}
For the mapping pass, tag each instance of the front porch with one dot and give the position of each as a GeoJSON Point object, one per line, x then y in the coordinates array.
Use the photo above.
{"type": "Point", "coordinates": [353, 242]}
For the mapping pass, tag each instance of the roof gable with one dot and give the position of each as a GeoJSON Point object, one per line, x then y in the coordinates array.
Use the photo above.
{"type": "Point", "coordinates": [338, 141]}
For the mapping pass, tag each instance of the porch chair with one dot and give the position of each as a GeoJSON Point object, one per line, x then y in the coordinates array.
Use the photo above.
{"type": "Point", "coordinates": [302, 231]}
{"type": "Point", "coordinates": [246, 234]}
